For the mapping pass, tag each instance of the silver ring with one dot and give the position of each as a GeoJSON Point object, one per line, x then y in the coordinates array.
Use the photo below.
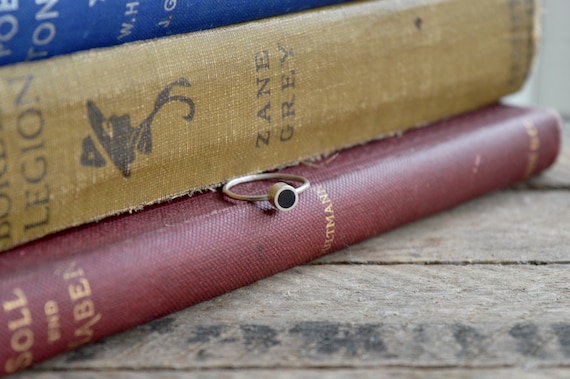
{"type": "Point", "coordinates": [281, 195]}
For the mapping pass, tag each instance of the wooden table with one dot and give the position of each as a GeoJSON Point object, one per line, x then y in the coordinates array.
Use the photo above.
{"type": "Point", "coordinates": [482, 290]}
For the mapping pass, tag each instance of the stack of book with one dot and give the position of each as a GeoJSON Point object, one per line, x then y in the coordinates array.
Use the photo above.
{"type": "Point", "coordinates": [389, 108]}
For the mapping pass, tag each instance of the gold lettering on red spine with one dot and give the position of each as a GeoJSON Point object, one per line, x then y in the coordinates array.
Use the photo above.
{"type": "Point", "coordinates": [534, 146]}
{"type": "Point", "coordinates": [51, 310]}
{"type": "Point", "coordinates": [85, 314]}
{"type": "Point", "coordinates": [22, 339]}
{"type": "Point", "coordinates": [330, 228]}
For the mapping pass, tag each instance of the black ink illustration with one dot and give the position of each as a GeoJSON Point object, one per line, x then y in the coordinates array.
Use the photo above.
{"type": "Point", "coordinates": [119, 139]}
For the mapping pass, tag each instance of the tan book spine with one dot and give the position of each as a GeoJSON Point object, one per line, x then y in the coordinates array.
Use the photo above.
{"type": "Point", "coordinates": [96, 133]}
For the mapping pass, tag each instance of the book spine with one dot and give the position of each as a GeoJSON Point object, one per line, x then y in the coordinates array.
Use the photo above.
{"type": "Point", "coordinates": [37, 30]}
{"type": "Point", "coordinates": [62, 292]}
{"type": "Point", "coordinates": [96, 133]}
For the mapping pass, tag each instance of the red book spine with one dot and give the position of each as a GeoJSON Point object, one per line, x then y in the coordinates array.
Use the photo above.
{"type": "Point", "coordinates": [81, 285]}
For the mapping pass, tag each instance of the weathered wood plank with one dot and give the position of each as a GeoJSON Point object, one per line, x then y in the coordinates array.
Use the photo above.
{"type": "Point", "coordinates": [359, 316]}
{"type": "Point", "coordinates": [376, 373]}
{"type": "Point", "coordinates": [504, 227]}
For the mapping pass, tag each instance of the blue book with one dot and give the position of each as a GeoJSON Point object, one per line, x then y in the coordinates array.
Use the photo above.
{"type": "Point", "coordinates": [36, 29]}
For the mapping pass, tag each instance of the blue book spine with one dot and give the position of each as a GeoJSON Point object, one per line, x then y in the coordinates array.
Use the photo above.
{"type": "Point", "coordinates": [37, 29]}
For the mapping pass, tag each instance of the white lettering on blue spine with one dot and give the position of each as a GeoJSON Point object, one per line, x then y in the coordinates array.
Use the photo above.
{"type": "Point", "coordinates": [126, 27]}
{"type": "Point", "coordinates": [8, 24]}
{"type": "Point", "coordinates": [43, 34]}
{"type": "Point", "coordinates": [46, 13]}
{"type": "Point", "coordinates": [8, 5]}
{"type": "Point", "coordinates": [131, 8]}
{"type": "Point", "coordinates": [169, 5]}
{"type": "Point", "coordinates": [46, 31]}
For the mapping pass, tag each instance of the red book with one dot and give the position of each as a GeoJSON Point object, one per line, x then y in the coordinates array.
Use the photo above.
{"type": "Point", "coordinates": [81, 285]}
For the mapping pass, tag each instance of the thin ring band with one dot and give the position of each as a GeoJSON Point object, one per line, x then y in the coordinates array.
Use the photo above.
{"type": "Point", "coordinates": [281, 195]}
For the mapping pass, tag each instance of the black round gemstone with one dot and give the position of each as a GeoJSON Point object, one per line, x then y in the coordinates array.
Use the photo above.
{"type": "Point", "coordinates": [286, 198]}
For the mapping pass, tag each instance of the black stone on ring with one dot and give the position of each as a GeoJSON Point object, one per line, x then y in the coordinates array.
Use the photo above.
{"type": "Point", "coordinates": [281, 195]}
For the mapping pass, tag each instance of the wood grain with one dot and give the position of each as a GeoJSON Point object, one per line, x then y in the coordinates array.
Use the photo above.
{"type": "Point", "coordinates": [339, 316]}
{"type": "Point", "coordinates": [361, 373]}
